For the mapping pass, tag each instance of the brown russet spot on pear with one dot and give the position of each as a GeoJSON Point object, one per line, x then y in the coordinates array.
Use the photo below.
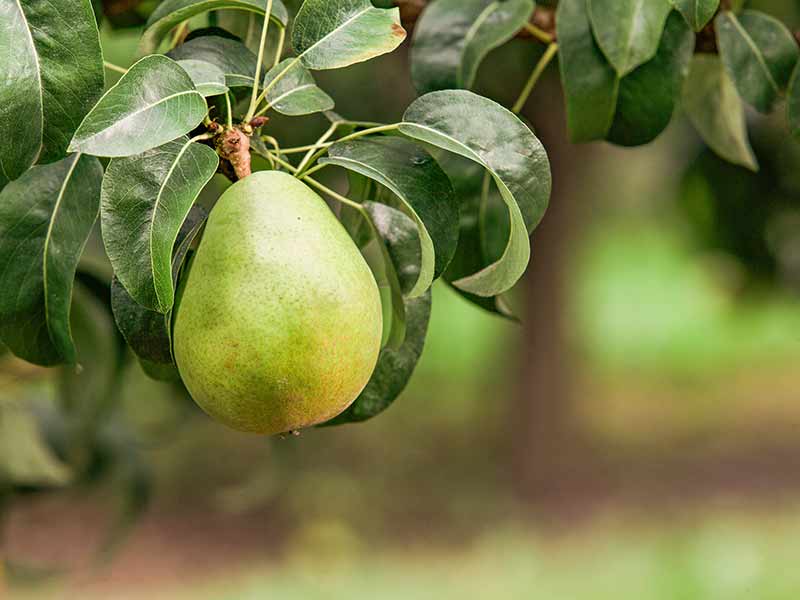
{"type": "Point", "coordinates": [278, 322]}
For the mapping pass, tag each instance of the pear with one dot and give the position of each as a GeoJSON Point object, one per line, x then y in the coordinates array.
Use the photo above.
{"type": "Point", "coordinates": [278, 322]}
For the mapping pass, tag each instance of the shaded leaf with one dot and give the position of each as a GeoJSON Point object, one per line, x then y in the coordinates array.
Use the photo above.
{"type": "Point", "coordinates": [400, 235]}
{"type": "Point", "coordinates": [423, 189]}
{"type": "Point", "coordinates": [479, 129]}
{"type": "Point", "coordinates": [230, 56]}
{"type": "Point", "coordinates": [52, 74]}
{"type": "Point", "coordinates": [145, 200]}
{"type": "Point", "coordinates": [208, 78]}
{"type": "Point", "coordinates": [331, 34]}
{"type": "Point", "coordinates": [590, 82]}
{"type": "Point", "coordinates": [453, 37]}
{"type": "Point", "coordinates": [649, 94]}
{"type": "Point", "coordinates": [698, 13]}
{"type": "Point", "coordinates": [628, 31]}
{"type": "Point", "coordinates": [793, 104]}
{"type": "Point", "coordinates": [153, 103]}
{"type": "Point", "coordinates": [759, 53]}
{"type": "Point", "coordinates": [296, 93]}
{"type": "Point", "coordinates": [715, 109]}
{"type": "Point", "coordinates": [45, 219]}
{"type": "Point", "coordinates": [395, 366]}
{"type": "Point", "coordinates": [171, 13]}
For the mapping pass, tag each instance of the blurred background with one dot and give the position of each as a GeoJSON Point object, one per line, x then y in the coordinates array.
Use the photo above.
{"type": "Point", "coordinates": [637, 435]}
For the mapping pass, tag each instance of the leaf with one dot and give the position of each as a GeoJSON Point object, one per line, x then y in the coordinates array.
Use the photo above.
{"type": "Point", "coordinates": [793, 104]}
{"type": "Point", "coordinates": [171, 13]}
{"type": "Point", "coordinates": [25, 458]}
{"type": "Point", "coordinates": [628, 31]}
{"type": "Point", "coordinates": [698, 13]}
{"type": "Point", "coordinates": [149, 333]}
{"type": "Point", "coordinates": [145, 200]}
{"type": "Point", "coordinates": [45, 219]}
{"type": "Point", "coordinates": [208, 78]}
{"type": "Point", "coordinates": [230, 56]}
{"type": "Point", "coordinates": [715, 109]}
{"type": "Point", "coordinates": [52, 74]}
{"type": "Point", "coordinates": [400, 235]}
{"type": "Point", "coordinates": [331, 34]}
{"type": "Point", "coordinates": [479, 129]}
{"type": "Point", "coordinates": [296, 93]}
{"type": "Point", "coordinates": [423, 189]}
{"type": "Point", "coordinates": [452, 38]}
{"type": "Point", "coordinates": [153, 103]}
{"type": "Point", "coordinates": [759, 53]}
{"type": "Point", "coordinates": [590, 83]}
{"type": "Point", "coordinates": [395, 367]}
{"type": "Point", "coordinates": [649, 94]}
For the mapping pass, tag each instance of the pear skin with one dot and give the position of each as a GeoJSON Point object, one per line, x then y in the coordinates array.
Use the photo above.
{"type": "Point", "coordinates": [278, 322]}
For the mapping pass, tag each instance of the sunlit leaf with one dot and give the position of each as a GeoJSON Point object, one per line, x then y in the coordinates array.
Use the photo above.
{"type": "Point", "coordinates": [759, 53]}
{"type": "Point", "coordinates": [453, 37]}
{"type": "Point", "coordinates": [172, 13]}
{"type": "Point", "coordinates": [715, 109]}
{"type": "Point", "coordinates": [331, 34]}
{"type": "Point", "coordinates": [45, 219]}
{"type": "Point", "coordinates": [208, 78]}
{"type": "Point", "coordinates": [649, 94]}
{"type": "Point", "coordinates": [423, 191]}
{"type": "Point", "coordinates": [146, 199]}
{"type": "Point", "coordinates": [479, 129]}
{"type": "Point", "coordinates": [51, 69]}
{"type": "Point", "coordinates": [590, 82]}
{"type": "Point", "coordinates": [296, 93]}
{"type": "Point", "coordinates": [698, 13]}
{"type": "Point", "coordinates": [153, 103]}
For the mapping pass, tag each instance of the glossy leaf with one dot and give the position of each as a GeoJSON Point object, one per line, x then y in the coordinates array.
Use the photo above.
{"type": "Point", "coordinates": [296, 93]}
{"type": "Point", "coordinates": [628, 31]}
{"type": "Point", "coordinates": [148, 333]}
{"type": "Point", "coordinates": [479, 129]}
{"type": "Point", "coordinates": [715, 109]}
{"type": "Point", "coordinates": [698, 13]}
{"type": "Point", "coordinates": [331, 34]}
{"type": "Point", "coordinates": [423, 189]}
{"type": "Point", "coordinates": [208, 78]}
{"type": "Point", "coordinates": [153, 103]}
{"type": "Point", "coordinates": [452, 38]}
{"type": "Point", "coordinates": [649, 94]}
{"type": "Point", "coordinates": [230, 56]}
{"type": "Point", "coordinates": [395, 366]}
{"type": "Point", "coordinates": [590, 82]}
{"type": "Point", "coordinates": [52, 74]}
{"type": "Point", "coordinates": [171, 13]}
{"type": "Point", "coordinates": [759, 53]}
{"type": "Point", "coordinates": [45, 219]}
{"type": "Point", "coordinates": [145, 200]}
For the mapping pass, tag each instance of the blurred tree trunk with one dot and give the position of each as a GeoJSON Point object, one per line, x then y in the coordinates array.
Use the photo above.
{"type": "Point", "coordinates": [545, 447]}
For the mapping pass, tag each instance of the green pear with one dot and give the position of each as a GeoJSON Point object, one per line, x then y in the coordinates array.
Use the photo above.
{"type": "Point", "coordinates": [278, 322]}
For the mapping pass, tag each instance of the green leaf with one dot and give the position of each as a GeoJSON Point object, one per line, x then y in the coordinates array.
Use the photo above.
{"type": "Point", "coordinates": [331, 34]}
{"type": "Point", "coordinates": [628, 31]}
{"type": "Point", "coordinates": [230, 56]}
{"type": "Point", "coordinates": [715, 109]}
{"type": "Point", "coordinates": [698, 13]}
{"type": "Point", "coordinates": [649, 94]}
{"type": "Point", "coordinates": [296, 93]}
{"type": "Point", "coordinates": [395, 366]}
{"type": "Point", "coordinates": [590, 82]}
{"type": "Point", "coordinates": [52, 74]}
{"type": "Point", "coordinates": [793, 104]}
{"type": "Point", "coordinates": [45, 219]}
{"type": "Point", "coordinates": [208, 78]}
{"type": "Point", "coordinates": [145, 200]}
{"type": "Point", "coordinates": [759, 53]}
{"type": "Point", "coordinates": [452, 38]}
{"type": "Point", "coordinates": [479, 129]}
{"type": "Point", "coordinates": [149, 333]}
{"type": "Point", "coordinates": [153, 103]}
{"type": "Point", "coordinates": [422, 188]}
{"type": "Point", "coordinates": [171, 13]}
